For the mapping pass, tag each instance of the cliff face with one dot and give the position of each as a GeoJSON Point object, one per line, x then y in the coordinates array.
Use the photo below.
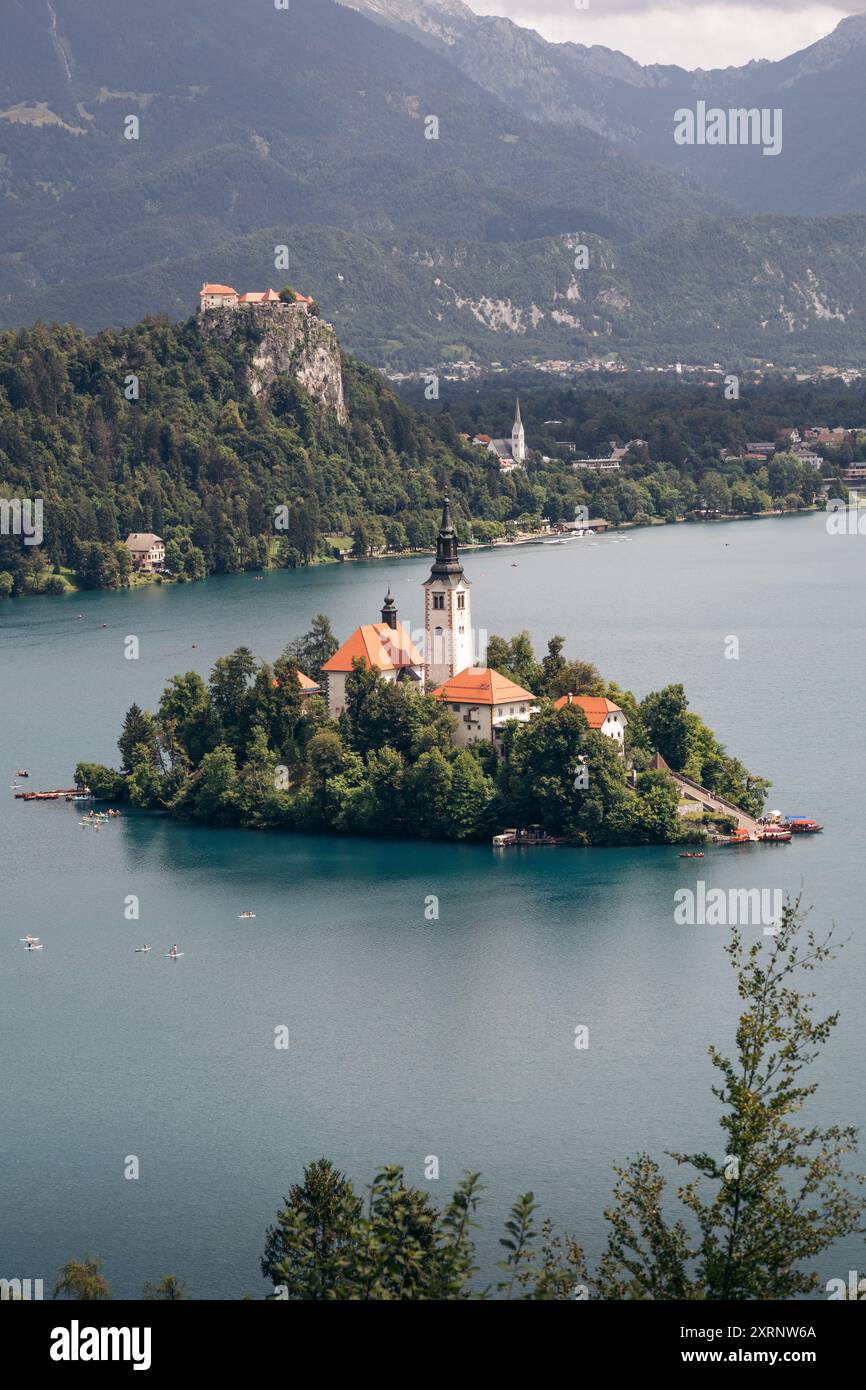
{"type": "Point", "coordinates": [293, 343]}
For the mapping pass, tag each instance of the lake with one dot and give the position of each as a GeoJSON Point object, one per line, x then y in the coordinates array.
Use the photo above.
{"type": "Point", "coordinates": [408, 1037]}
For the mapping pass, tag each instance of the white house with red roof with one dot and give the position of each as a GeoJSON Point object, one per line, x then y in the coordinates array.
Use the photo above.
{"type": "Point", "coordinates": [385, 647]}
{"type": "Point", "coordinates": [601, 714]}
{"type": "Point", "coordinates": [483, 702]}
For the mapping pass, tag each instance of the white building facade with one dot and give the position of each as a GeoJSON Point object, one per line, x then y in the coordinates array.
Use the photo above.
{"type": "Point", "coordinates": [448, 638]}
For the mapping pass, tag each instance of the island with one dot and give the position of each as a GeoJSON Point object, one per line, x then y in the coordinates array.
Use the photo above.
{"type": "Point", "coordinates": [376, 737]}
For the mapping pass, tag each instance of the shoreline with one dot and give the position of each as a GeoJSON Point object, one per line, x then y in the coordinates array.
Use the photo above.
{"type": "Point", "coordinates": [527, 538]}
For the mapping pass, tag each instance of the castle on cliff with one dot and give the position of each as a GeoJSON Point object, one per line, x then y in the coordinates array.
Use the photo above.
{"type": "Point", "coordinates": [224, 297]}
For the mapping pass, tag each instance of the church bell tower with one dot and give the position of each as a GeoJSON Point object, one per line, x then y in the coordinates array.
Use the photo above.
{"type": "Point", "coordinates": [518, 437]}
{"type": "Point", "coordinates": [447, 611]}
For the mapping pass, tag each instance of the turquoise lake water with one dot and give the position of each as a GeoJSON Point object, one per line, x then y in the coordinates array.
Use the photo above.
{"type": "Point", "coordinates": [408, 1037]}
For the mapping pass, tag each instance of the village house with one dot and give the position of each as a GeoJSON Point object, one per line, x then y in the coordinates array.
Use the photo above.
{"type": "Point", "coordinates": [611, 462]}
{"type": "Point", "coordinates": [483, 702]}
{"type": "Point", "coordinates": [807, 455]}
{"type": "Point", "coordinates": [385, 647]}
{"type": "Point", "coordinates": [601, 714]}
{"type": "Point", "coordinates": [831, 438]}
{"type": "Point", "coordinates": [146, 551]}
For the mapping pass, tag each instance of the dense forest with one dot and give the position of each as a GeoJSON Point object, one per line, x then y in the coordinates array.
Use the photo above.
{"type": "Point", "coordinates": [245, 748]}
{"type": "Point", "coordinates": [233, 481]}
{"type": "Point", "coordinates": [230, 481]}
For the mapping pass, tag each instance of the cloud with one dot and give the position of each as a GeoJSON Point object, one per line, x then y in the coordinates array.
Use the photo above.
{"type": "Point", "coordinates": [693, 33]}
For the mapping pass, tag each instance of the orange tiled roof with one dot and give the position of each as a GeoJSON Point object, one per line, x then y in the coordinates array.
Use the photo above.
{"type": "Point", "coordinates": [379, 646]}
{"type": "Point", "coordinates": [260, 297]}
{"type": "Point", "coordinates": [595, 707]}
{"type": "Point", "coordinates": [217, 289]}
{"type": "Point", "coordinates": [482, 686]}
{"type": "Point", "coordinates": [303, 681]}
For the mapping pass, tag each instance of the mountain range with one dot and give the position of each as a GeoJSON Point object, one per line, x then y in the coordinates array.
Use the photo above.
{"type": "Point", "coordinates": [819, 169]}
{"type": "Point", "coordinates": [309, 128]}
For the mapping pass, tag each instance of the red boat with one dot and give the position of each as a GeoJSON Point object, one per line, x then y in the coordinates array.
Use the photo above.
{"type": "Point", "coordinates": [802, 825]}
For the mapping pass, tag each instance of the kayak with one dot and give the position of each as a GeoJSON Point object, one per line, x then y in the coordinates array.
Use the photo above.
{"type": "Point", "coordinates": [142, 950]}
{"type": "Point", "coordinates": [173, 955]}
{"type": "Point", "coordinates": [32, 947]}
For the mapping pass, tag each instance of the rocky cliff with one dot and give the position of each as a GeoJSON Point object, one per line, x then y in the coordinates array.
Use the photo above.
{"type": "Point", "coordinates": [289, 341]}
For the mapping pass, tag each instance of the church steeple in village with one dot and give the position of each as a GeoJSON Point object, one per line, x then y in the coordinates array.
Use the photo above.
{"type": "Point", "coordinates": [518, 437]}
{"type": "Point", "coordinates": [447, 610]}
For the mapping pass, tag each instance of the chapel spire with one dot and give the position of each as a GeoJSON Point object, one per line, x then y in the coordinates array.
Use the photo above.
{"type": "Point", "coordinates": [389, 610]}
{"type": "Point", "coordinates": [447, 559]}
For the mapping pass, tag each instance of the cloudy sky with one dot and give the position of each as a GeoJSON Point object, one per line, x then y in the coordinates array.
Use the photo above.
{"type": "Point", "coordinates": [694, 33]}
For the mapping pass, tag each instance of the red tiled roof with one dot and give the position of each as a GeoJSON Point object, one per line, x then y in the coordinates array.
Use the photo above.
{"type": "Point", "coordinates": [260, 297]}
{"type": "Point", "coordinates": [482, 686]}
{"type": "Point", "coordinates": [379, 646]}
{"type": "Point", "coordinates": [303, 681]}
{"type": "Point", "coordinates": [216, 289]}
{"type": "Point", "coordinates": [595, 707]}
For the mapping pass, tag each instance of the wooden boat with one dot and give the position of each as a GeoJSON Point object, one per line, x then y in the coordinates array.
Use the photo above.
{"type": "Point", "coordinates": [46, 796]}
{"type": "Point", "coordinates": [692, 854]}
{"type": "Point", "coordinates": [774, 835]}
{"type": "Point", "coordinates": [803, 825]}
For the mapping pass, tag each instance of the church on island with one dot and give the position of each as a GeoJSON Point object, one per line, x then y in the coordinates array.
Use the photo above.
{"type": "Point", "coordinates": [482, 700]}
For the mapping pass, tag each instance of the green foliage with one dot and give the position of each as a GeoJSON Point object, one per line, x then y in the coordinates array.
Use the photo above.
{"type": "Point", "coordinates": [82, 1280]}
{"type": "Point", "coordinates": [207, 465]}
{"type": "Point", "coordinates": [168, 1289]}
{"type": "Point", "coordinates": [105, 782]}
{"type": "Point", "coordinates": [777, 1193]}
{"type": "Point", "coordinates": [395, 1243]}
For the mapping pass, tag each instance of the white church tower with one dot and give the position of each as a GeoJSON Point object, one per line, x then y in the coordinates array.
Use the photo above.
{"type": "Point", "coordinates": [447, 611]}
{"type": "Point", "coordinates": [518, 438]}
